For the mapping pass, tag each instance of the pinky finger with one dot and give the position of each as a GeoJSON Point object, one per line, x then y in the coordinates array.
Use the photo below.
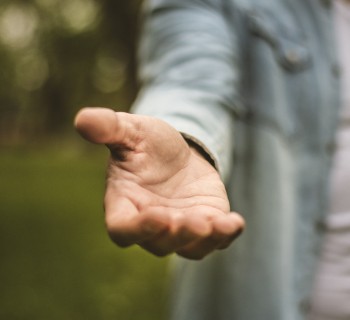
{"type": "Point", "coordinates": [225, 229]}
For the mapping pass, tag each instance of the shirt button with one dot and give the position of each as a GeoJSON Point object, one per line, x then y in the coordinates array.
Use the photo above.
{"type": "Point", "coordinates": [292, 57]}
{"type": "Point", "coordinates": [336, 70]}
{"type": "Point", "coordinates": [330, 147]}
{"type": "Point", "coordinates": [320, 226]}
{"type": "Point", "coordinates": [326, 3]}
{"type": "Point", "coordinates": [305, 306]}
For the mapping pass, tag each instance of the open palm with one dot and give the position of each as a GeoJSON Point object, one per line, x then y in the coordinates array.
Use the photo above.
{"type": "Point", "coordinates": [160, 193]}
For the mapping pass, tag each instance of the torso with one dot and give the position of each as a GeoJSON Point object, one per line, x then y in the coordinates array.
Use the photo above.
{"type": "Point", "coordinates": [332, 287]}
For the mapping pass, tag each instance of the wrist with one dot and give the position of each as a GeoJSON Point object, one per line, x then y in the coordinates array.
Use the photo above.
{"type": "Point", "coordinates": [199, 148]}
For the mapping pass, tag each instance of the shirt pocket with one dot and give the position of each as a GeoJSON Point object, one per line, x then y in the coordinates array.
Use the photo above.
{"type": "Point", "coordinates": [276, 78]}
{"type": "Point", "coordinates": [283, 35]}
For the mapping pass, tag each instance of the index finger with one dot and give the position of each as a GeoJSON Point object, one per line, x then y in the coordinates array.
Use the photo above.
{"type": "Point", "coordinates": [126, 226]}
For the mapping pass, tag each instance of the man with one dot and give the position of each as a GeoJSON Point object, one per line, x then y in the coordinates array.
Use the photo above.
{"type": "Point", "coordinates": [239, 92]}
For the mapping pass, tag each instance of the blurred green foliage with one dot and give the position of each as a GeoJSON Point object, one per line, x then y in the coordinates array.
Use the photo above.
{"type": "Point", "coordinates": [56, 259]}
{"type": "Point", "coordinates": [59, 55]}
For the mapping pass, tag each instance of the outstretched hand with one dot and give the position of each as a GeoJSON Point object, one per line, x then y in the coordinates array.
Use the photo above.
{"type": "Point", "coordinates": [160, 193]}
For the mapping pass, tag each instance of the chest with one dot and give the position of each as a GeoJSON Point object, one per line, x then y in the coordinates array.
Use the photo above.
{"type": "Point", "coordinates": [289, 64]}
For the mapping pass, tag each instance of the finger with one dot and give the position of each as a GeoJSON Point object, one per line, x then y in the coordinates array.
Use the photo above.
{"type": "Point", "coordinates": [104, 126]}
{"type": "Point", "coordinates": [126, 232]}
{"type": "Point", "coordinates": [182, 231]}
{"type": "Point", "coordinates": [224, 230]}
{"type": "Point", "coordinates": [126, 226]}
{"type": "Point", "coordinates": [234, 228]}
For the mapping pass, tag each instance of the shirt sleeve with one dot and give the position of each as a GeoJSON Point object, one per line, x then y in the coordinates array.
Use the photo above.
{"type": "Point", "coordinates": [188, 68]}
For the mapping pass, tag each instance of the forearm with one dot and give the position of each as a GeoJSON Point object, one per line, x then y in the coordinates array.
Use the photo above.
{"type": "Point", "coordinates": [187, 73]}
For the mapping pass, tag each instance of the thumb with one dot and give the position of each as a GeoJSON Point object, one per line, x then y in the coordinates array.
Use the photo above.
{"type": "Point", "coordinates": [104, 126]}
{"type": "Point", "coordinates": [117, 130]}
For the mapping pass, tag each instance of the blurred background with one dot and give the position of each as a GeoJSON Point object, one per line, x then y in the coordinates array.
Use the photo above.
{"type": "Point", "coordinates": [56, 259]}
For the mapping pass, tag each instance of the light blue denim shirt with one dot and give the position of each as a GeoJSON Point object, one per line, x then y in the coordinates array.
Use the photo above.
{"type": "Point", "coordinates": [257, 83]}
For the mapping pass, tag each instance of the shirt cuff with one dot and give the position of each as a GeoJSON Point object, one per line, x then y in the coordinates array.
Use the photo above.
{"type": "Point", "coordinates": [201, 148]}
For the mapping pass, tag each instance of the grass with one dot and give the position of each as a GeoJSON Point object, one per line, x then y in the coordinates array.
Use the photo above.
{"type": "Point", "coordinates": [56, 259]}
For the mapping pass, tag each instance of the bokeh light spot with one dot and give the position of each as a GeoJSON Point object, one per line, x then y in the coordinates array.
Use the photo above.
{"type": "Point", "coordinates": [31, 70]}
{"type": "Point", "coordinates": [109, 75]}
{"type": "Point", "coordinates": [17, 26]}
{"type": "Point", "coordinates": [79, 15]}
